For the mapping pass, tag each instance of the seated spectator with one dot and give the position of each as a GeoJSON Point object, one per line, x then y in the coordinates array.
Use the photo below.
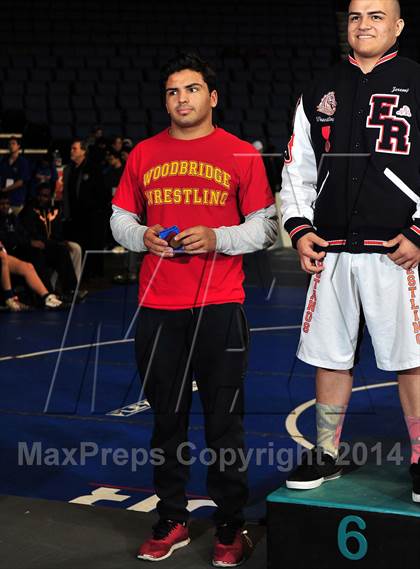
{"type": "Point", "coordinates": [44, 226]}
{"type": "Point", "coordinates": [17, 242]}
{"type": "Point", "coordinates": [14, 175]}
{"type": "Point", "coordinates": [44, 203]}
{"type": "Point", "coordinates": [12, 265]}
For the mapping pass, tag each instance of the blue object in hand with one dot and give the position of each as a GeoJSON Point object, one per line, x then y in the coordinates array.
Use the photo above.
{"type": "Point", "coordinates": [168, 234]}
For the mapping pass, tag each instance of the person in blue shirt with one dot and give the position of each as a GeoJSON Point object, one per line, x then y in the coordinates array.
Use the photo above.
{"type": "Point", "coordinates": [14, 175]}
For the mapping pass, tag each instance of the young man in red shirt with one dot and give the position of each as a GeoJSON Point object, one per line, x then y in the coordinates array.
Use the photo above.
{"type": "Point", "coordinates": [213, 186]}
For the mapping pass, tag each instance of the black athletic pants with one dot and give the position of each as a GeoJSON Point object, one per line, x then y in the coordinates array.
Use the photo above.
{"type": "Point", "coordinates": [209, 345]}
{"type": "Point", "coordinates": [55, 256]}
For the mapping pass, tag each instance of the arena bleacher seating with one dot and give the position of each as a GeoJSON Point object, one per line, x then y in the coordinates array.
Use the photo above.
{"type": "Point", "coordinates": [65, 66]}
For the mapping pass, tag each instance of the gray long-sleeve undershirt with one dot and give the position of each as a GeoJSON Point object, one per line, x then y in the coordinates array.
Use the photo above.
{"type": "Point", "coordinates": [258, 231]}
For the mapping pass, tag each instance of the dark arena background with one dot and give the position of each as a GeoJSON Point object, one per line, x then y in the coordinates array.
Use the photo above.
{"type": "Point", "coordinates": [76, 487]}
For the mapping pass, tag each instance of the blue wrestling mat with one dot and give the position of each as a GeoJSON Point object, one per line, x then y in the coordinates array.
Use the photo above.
{"type": "Point", "coordinates": [74, 427]}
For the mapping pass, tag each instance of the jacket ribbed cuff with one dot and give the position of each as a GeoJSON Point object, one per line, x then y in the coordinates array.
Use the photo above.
{"type": "Point", "coordinates": [297, 227]}
{"type": "Point", "coordinates": [413, 233]}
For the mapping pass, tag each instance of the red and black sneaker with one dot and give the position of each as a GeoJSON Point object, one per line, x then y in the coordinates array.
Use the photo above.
{"type": "Point", "coordinates": [167, 536]}
{"type": "Point", "coordinates": [230, 545]}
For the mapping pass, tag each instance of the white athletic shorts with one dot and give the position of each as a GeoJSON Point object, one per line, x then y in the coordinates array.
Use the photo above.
{"type": "Point", "coordinates": [390, 298]}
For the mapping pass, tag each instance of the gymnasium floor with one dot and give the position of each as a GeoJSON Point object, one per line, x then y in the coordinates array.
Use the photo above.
{"type": "Point", "coordinates": [89, 395]}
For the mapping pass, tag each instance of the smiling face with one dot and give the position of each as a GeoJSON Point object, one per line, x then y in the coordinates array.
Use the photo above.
{"type": "Point", "coordinates": [188, 100]}
{"type": "Point", "coordinates": [373, 27]}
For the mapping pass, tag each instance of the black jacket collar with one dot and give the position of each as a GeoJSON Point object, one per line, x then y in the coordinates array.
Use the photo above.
{"type": "Point", "coordinates": [384, 60]}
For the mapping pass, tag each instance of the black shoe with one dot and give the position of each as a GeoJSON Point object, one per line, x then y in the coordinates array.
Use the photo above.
{"type": "Point", "coordinates": [317, 467]}
{"type": "Point", "coordinates": [415, 475]}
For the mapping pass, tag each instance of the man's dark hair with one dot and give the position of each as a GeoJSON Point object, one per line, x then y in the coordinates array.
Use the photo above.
{"type": "Point", "coordinates": [16, 139]}
{"type": "Point", "coordinates": [189, 61]}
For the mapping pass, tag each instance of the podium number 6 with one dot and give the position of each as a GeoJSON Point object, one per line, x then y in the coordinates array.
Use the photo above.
{"type": "Point", "coordinates": [344, 535]}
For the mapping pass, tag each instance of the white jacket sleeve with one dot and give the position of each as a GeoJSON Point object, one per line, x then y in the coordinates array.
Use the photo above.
{"type": "Point", "coordinates": [299, 178]}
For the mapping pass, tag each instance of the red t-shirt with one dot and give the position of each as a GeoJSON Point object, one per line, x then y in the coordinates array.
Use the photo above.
{"type": "Point", "coordinates": [206, 181]}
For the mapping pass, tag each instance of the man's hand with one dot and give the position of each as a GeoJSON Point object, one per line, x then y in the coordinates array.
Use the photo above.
{"type": "Point", "coordinates": [407, 255]}
{"type": "Point", "coordinates": [198, 239]}
{"type": "Point", "coordinates": [37, 244]}
{"type": "Point", "coordinates": [310, 261]}
{"type": "Point", "coordinates": [156, 245]}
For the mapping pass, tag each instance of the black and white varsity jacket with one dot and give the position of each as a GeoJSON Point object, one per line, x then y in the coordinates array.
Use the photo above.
{"type": "Point", "coordinates": [352, 169]}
